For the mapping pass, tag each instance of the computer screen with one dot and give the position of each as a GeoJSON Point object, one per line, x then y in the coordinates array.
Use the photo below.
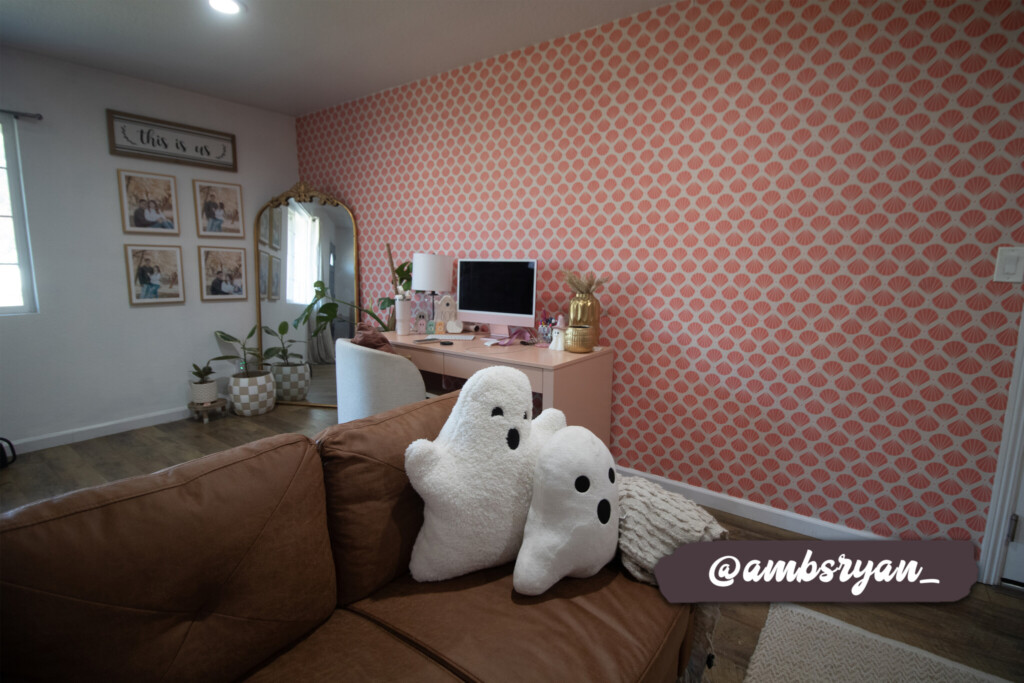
{"type": "Point", "coordinates": [497, 291]}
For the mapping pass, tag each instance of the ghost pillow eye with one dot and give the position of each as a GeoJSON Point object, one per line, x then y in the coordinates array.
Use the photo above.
{"type": "Point", "coordinates": [496, 412]}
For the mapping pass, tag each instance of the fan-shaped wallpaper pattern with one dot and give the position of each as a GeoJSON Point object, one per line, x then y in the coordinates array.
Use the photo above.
{"type": "Point", "coordinates": [799, 203]}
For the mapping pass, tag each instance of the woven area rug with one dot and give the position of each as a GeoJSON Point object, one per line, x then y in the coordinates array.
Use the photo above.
{"type": "Point", "coordinates": [798, 644]}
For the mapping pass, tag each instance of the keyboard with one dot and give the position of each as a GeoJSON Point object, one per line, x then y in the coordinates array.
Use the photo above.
{"type": "Point", "coordinates": [452, 337]}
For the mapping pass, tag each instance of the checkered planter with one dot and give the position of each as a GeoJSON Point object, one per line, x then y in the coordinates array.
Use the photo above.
{"type": "Point", "coordinates": [252, 395]}
{"type": "Point", "coordinates": [292, 381]}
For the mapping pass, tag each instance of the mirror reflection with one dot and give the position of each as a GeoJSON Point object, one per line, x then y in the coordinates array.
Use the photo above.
{"type": "Point", "coordinates": [303, 236]}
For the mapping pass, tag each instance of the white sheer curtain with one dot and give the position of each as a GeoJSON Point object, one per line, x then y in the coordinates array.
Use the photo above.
{"type": "Point", "coordinates": [303, 255]}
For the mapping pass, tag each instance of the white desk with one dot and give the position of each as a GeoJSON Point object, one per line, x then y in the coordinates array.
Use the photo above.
{"type": "Point", "coordinates": [578, 384]}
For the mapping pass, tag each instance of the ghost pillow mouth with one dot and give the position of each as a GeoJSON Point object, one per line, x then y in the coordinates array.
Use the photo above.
{"type": "Point", "coordinates": [512, 438]}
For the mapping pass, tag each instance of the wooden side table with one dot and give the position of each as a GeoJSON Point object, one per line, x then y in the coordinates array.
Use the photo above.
{"type": "Point", "coordinates": [203, 410]}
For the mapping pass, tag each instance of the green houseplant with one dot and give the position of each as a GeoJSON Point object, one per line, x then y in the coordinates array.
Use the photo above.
{"type": "Point", "coordinates": [290, 379]}
{"type": "Point", "coordinates": [330, 308]}
{"type": "Point", "coordinates": [252, 388]}
{"type": "Point", "coordinates": [204, 389]}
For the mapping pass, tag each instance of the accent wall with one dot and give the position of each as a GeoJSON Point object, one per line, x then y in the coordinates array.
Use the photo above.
{"type": "Point", "coordinates": [799, 205]}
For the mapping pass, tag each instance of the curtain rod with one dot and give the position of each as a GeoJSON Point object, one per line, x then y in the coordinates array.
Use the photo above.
{"type": "Point", "coordinates": [22, 114]}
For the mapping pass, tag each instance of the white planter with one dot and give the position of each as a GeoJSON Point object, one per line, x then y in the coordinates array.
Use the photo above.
{"type": "Point", "coordinates": [403, 316]}
{"type": "Point", "coordinates": [252, 395]}
{"type": "Point", "coordinates": [292, 381]}
{"type": "Point", "coordinates": [203, 392]}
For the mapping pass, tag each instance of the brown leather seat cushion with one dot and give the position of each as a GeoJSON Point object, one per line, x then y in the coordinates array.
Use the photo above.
{"type": "Point", "coordinates": [373, 512]}
{"type": "Point", "coordinates": [352, 648]}
{"type": "Point", "coordinates": [198, 572]}
{"type": "Point", "coordinates": [605, 628]}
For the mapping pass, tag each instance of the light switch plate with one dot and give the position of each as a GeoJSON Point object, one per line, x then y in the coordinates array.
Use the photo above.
{"type": "Point", "coordinates": [1009, 264]}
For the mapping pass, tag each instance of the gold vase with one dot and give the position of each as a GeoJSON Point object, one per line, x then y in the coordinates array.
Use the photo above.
{"type": "Point", "coordinates": [585, 309]}
{"type": "Point", "coordinates": [584, 324]}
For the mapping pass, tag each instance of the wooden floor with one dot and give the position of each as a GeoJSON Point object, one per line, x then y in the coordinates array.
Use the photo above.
{"type": "Point", "coordinates": [984, 631]}
{"type": "Point", "coordinates": [52, 471]}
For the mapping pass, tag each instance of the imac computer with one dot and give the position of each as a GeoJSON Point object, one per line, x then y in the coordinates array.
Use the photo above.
{"type": "Point", "coordinates": [501, 293]}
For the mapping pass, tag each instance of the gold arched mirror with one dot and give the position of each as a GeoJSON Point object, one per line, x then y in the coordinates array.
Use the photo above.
{"type": "Point", "coordinates": [303, 236]}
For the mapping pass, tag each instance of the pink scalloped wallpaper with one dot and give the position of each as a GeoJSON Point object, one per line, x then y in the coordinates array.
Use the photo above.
{"type": "Point", "coordinates": [799, 204]}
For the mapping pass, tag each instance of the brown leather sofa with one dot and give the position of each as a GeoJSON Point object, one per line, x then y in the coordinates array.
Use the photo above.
{"type": "Point", "coordinates": [286, 560]}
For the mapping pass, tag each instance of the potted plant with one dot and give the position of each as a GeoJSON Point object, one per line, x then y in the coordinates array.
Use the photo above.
{"type": "Point", "coordinates": [291, 379]}
{"type": "Point", "coordinates": [251, 388]}
{"type": "Point", "coordinates": [204, 389]}
{"type": "Point", "coordinates": [328, 308]}
{"type": "Point", "coordinates": [584, 312]}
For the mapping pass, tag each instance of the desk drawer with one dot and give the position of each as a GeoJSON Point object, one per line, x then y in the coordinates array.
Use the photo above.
{"type": "Point", "coordinates": [456, 366]}
{"type": "Point", "coordinates": [426, 361]}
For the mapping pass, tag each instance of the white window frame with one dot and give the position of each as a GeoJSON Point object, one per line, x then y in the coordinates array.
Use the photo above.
{"type": "Point", "coordinates": [21, 237]}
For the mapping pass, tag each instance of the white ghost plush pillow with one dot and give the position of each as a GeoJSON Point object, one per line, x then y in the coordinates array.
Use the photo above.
{"type": "Point", "coordinates": [573, 525]}
{"type": "Point", "coordinates": [476, 477]}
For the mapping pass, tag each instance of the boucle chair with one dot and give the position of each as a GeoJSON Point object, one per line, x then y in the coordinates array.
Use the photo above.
{"type": "Point", "coordinates": [371, 381]}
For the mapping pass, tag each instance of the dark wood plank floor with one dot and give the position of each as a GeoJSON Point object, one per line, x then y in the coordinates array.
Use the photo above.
{"type": "Point", "coordinates": [53, 471]}
{"type": "Point", "coordinates": [984, 631]}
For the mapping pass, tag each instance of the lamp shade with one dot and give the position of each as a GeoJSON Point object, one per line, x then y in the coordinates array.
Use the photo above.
{"type": "Point", "coordinates": [431, 273]}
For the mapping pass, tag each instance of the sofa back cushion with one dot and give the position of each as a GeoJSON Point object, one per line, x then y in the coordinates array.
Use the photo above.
{"type": "Point", "coordinates": [373, 513]}
{"type": "Point", "coordinates": [198, 572]}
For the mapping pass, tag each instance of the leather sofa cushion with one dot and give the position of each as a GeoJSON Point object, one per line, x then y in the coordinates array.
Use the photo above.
{"type": "Point", "coordinates": [373, 513]}
{"type": "Point", "coordinates": [351, 648]}
{"type": "Point", "coordinates": [198, 572]}
{"type": "Point", "coordinates": [604, 628]}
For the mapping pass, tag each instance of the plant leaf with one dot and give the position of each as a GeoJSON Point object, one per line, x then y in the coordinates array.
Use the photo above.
{"type": "Point", "coordinates": [282, 328]}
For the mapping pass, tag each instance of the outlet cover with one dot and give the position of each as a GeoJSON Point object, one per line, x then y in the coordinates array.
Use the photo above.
{"type": "Point", "coordinates": [1009, 264]}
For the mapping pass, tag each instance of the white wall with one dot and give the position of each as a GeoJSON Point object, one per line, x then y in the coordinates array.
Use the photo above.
{"type": "Point", "coordinates": [88, 363]}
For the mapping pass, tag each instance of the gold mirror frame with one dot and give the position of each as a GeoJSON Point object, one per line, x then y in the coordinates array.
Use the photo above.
{"type": "Point", "coordinates": [303, 194]}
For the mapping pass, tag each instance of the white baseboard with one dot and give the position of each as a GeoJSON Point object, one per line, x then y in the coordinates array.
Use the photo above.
{"type": "Point", "coordinates": [783, 519]}
{"type": "Point", "coordinates": [67, 436]}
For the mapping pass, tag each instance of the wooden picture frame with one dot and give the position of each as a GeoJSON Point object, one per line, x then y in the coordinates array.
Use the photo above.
{"type": "Point", "coordinates": [222, 274]}
{"type": "Point", "coordinates": [149, 203]}
{"type": "Point", "coordinates": [218, 209]}
{"type": "Point", "coordinates": [154, 274]}
{"type": "Point", "coordinates": [265, 227]}
{"type": "Point", "coordinates": [143, 137]}
{"type": "Point", "coordinates": [276, 226]}
{"type": "Point", "coordinates": [264, 272]}
{"type": "Point", "coordinates": [274, 279]}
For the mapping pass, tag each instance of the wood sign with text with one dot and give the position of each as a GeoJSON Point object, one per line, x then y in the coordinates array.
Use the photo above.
{"type": "Point", "coordinates": [132, 135]}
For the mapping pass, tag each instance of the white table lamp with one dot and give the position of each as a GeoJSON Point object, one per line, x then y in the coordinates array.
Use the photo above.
{"type": "Point", "coordinates": [431, 273]}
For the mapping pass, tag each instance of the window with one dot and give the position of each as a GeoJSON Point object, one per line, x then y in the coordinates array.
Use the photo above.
{"type": "Point", "coordinates": [303, 260]}
{"type": "Point", "coordinates": [17, 285]}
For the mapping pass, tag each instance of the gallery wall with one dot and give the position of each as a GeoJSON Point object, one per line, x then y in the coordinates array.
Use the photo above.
{"type": "Point", "coordinates": [89, 363]}
{"type": "Point", "coordinates": [798, 204]}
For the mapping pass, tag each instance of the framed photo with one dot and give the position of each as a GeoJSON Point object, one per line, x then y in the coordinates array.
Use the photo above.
{"type": "Point", "coordinates": [132, 135]}
{"type": "Point", "coordinates": [274, 279]}
{"type": "Point", "coordinates": [264, 259]}
{"type": "Point", "coordinates": [154, 274]}
{"type": "Point", "coordinates": [149, 203]}
{"type": "Point", "coordinates": [218, 209]}
{"type": "Point", "coordinates": [276, 220]}
{"type": "Point", "coordinates": [222, 271]}
{"type": "Point", "coordinates": [265, 226]}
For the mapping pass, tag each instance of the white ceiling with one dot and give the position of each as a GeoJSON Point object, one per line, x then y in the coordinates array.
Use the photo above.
{"type": "Point", "coordinates": [293, 56]}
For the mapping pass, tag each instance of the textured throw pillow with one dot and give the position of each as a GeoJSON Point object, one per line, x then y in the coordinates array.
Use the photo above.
{"type": "Point", "coordinates": [368, 336]}
{"type": "Point", "coordinates": [573, 525]}
{"type": "Point", "coordinates": [476, 477]}
{"type": "Point", "coordinates": [655, 522]}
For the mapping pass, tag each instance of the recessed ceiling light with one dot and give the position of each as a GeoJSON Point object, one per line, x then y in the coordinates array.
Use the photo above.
{"type": "Point", "coordinates": [226, 6]}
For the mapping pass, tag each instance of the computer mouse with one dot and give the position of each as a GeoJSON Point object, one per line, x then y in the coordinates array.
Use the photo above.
{"type": "Point", "coordinates": [447, 343]}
